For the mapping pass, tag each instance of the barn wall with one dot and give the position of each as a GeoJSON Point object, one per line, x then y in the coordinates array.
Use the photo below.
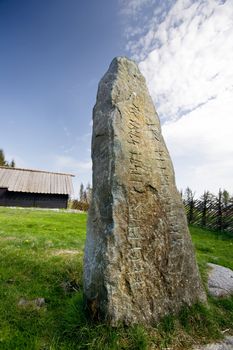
{"type": "Point", "coordinates": [40, 200]}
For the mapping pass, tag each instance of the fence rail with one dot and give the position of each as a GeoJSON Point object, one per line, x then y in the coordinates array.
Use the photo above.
{"type": "Point", "coordinates": [212, 215]}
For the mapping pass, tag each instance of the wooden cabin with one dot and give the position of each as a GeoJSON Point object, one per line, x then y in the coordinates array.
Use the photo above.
{"type": "Point", "coordinates": [34, 188]}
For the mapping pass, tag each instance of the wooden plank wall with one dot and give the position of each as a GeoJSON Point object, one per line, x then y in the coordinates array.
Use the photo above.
{"type": "Point", "coordinates": [21, 199]}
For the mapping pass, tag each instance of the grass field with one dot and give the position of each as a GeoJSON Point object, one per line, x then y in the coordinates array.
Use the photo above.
{"type": "Point", "coordinates": [41, 256]}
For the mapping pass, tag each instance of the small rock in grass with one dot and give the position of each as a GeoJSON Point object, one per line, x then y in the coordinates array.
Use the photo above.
{"type": "Point", "coordinates": [22, 302]}
{"type": "Point", "coordinates": [220, 281]}
{"type": "Point", "coordinates": [226, 344]}
{"type": "Point", "coordinates": [35, 303]}
{"type": "Point", "coordinates": [39, 302]}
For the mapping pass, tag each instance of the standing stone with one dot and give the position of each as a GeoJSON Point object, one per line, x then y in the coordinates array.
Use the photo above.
{"type": "Point", "coordinates": [139, 261]}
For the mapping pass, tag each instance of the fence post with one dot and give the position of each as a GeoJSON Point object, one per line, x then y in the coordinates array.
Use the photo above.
{"type": "Point", "coordinates": [219, 211]}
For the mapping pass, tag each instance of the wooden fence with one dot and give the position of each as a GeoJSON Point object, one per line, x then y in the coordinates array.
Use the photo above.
{"type": "Point", "coordinates": [210, 214]}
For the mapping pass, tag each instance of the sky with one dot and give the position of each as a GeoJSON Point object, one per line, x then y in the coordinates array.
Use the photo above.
{"type": "Point", "coordinates": [54, 52]}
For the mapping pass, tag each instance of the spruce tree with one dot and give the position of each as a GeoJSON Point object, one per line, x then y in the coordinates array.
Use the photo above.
{"type": "Point", "coordinates": [12, 164]}
{"type": "Point", "coordinates": [81, 192]}
{"type": "Point", "coordinates": [3, 161]}
{"type": "Point", "coordinates": [2, 158]}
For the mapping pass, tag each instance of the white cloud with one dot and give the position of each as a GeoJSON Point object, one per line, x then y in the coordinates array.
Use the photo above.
{"type": "Point", "coordinates": [193, 63]}
{"type": "Point", "coordinates": [132, 7]}
{"type": "Point", "coordinates": [201, 146]}
{"type": "Point", "coordinates": [141, 20]}
{"type": "Point", "coordinates": [186, 55]}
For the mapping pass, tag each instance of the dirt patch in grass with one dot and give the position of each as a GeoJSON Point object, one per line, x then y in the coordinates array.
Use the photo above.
{"type": "Point", "coordinates": [8, 238]}
{"type": "Point", "coordinates": [58, 252]}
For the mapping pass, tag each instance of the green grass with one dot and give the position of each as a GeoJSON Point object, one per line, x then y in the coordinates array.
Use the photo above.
{"type": "Point", "coordinates": [212, 246]}
{"type": "Point", "coordinates": [41, 255]}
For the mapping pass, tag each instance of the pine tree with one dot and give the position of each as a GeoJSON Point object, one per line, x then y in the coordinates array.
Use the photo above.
{"type": "Point", "coordinates": [2, 158]}
{"type": "Point", "coordinates": [205, 204]}
{"type": "Point", "coordinates": [189, 201]}
{"type": "Point", "coordinates": [3, 161]}
{"type": "Point", "coordinates": [81, 192]}
{"type": "Point", "coordinates": [12, 164]}
{"type": "Point", "coordinates": [225, 198]}
{"type": "Point", "coordinates": [84, 196]}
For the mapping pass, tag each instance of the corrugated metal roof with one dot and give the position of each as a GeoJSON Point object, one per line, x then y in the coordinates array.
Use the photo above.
{"type": "Point", "coordinates": [35, 181]}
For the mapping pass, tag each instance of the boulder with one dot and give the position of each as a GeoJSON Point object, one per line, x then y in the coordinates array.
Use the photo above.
{"type": "Point", "coordinates": [226, 344]}
{"type": "Point", "coordinates": [220, 280]}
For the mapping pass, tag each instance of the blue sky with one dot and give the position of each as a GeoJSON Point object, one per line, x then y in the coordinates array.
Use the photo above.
{"type": "Point", "coordinates": [54, 52]}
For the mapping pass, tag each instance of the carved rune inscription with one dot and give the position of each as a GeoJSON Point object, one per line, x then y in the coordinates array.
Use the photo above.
{"type": "Point", "coordinates": [139, 174]}
{"type": "Point", "coordinates": [136, 172]}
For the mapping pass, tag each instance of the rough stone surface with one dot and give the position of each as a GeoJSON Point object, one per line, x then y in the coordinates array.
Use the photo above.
{"type": "Point", "coordinates": [220, 281]}
{"type": "Point", "coordinates": [226, 344]}
{"type": "Point", "coordinates": [139, 262]}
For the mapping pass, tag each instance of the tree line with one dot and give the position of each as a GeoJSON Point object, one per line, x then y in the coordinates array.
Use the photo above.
{"type": "Point", "coordinates": [4, 162]}
{"type": "Point", "coordinates": [83, 202]}
{"type": "Point", "coordinates": [209, 211]}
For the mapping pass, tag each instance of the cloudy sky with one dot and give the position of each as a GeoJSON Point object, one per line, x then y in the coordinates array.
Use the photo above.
{"type": "Point", "coordinates": [54, 52]}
